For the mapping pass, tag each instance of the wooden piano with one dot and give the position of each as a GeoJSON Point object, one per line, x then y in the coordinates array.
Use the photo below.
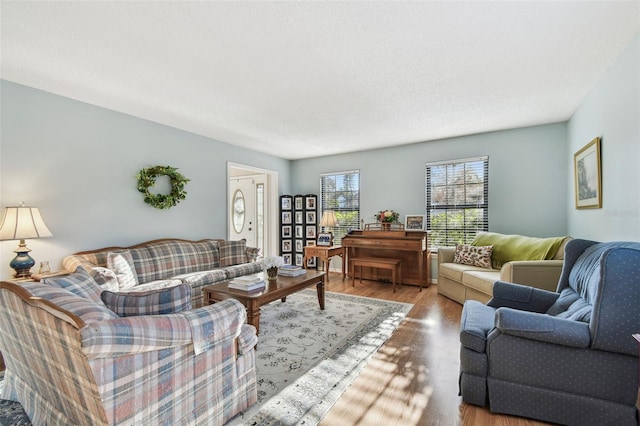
{"type": "Point", "coordinates": [409, 246]}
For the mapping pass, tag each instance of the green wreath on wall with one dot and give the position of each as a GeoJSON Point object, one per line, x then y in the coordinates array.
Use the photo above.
{"type": "Point", "coordinates": [147, 179]}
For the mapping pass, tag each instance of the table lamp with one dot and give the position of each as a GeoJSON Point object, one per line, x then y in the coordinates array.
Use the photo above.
{"type": "Point", "coordinates": [20, 223]}
{"type": "Point", "coordinates": [329, 220]}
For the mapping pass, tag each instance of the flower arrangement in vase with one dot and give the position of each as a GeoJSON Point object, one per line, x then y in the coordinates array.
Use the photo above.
{"type": "Point", "coordinates": [271, 265]}
{"type": "Point", "coordinates": [387, 216]}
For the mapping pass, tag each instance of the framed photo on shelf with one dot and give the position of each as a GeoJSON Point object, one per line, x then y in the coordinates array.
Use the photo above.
{"type": "Point", "coordinates": [311, 231]}
{"type": "Point", "coordinates": [311, 217]}
{"type": "Point", "coordinates": [299, 202]}
{"type": "Point", "coordinates": [286, 246]}
{"type": "Point", "coordinates": [286, 231]}
{"type": "Point", "coordinates": [311, 262]}
{"type": "Point", "coordinates": [299, 231]}
{"type": "Point", "coordinates": [414, 222]}
{"type": "Point", "coordinates": [311, 203]}
{"type": "Point", "coordinates": [324, 239]}
{"type": "Point", "coordinates": [287, 259]}
{"type": "Point", "coordinates": [286, 217]}
{"type": "Point", "coordinates": [299, 217]}
{"type": "Point", "coordinates": [588, 176]}
{"type": "Point", "coordinates": [285, 203]}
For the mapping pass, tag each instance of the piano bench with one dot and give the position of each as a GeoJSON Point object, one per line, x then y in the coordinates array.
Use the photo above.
{"type": "Point", "coordinates": [394, 265]}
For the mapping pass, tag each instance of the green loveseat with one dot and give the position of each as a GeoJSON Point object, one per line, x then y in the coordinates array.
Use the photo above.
{"type": "Point", "coordinates": [536, 262]}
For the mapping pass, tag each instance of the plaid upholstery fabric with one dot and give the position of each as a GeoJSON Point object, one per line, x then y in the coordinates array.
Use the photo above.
{"type": "Point", "coordinates": [166, 259]}
{"type": "Point", "coordinates": [79, 283]}
{"type": "Point", "coordinates": [128, 371]}
{"type": "Point", "coordinates": [233, 252]}
{"type": "Point", "coordinates": [242, 269]}
{"type": "Point", "coordinates": [121, 263]}
{"type": "Point", "coordinates": [159, 264]}
{"type": "Point", "coordinates": [85, 308]}
{"type": "Point", "coordinates": [151, 302]}
{"type": "Point", "coordinates": [253, 253]}
{"type": "Point", "coordinates": [105, 278]}
{"type": "Point", "coordinates": [197, 280]}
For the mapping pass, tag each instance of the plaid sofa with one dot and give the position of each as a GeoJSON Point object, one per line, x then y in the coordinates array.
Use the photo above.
{"type": "Point", "coordinates": [166, 263]}
{"type": "Point", "coordinates": [71, 360]}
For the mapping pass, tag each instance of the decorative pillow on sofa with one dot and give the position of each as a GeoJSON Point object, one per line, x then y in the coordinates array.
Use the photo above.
{"type": "Point", "coordinates": [121, 263]}
{"type": "Point", "coordinates": [152, 302]}
{"type": "Point", "coordinates": [473, 255]}
{"type": "Point", "coordinates": [79, 283]}
{"type": "Point", "coordinates": [233, 252]}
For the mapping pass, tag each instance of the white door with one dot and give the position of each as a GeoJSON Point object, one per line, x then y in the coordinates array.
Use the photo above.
{"type": "Point", "coordinates": [242, 217]}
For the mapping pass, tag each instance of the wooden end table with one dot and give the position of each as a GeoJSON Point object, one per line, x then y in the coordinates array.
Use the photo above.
{"type": "Point", "coordinates": [324, 253]}
{"type": "Point", "coordinates": [274, 290]}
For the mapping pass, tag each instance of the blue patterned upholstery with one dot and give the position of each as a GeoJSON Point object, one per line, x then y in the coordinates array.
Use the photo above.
{"type": "Point", "coordinates": [565, 357]}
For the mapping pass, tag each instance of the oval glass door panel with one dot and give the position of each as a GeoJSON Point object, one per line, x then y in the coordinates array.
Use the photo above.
{"type": "Point", "coordinates": [238, 211]}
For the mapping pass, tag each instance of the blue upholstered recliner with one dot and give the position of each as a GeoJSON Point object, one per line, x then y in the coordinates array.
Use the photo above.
{"type": "Point", "coordinates": [565, 357]}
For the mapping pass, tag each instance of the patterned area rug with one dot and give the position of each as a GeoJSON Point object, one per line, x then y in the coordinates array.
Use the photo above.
{"type": "Point", "coordinates": [306, 357]}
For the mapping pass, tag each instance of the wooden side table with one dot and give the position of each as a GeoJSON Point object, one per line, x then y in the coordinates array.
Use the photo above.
{"type": "Point", "coordinates": [324, 253]}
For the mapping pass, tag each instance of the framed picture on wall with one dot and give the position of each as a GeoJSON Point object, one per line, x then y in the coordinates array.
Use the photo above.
{"type": "Point", "coordinates": [414, 222]}
{"type": "Point", "coordinates": [299, 202]}
{"type": "Point", "coordinates": [299, 259]}
{"type": "Point", "coordinates": [588, 176]}
{"type": "Point", "coordinates": [287, 259]}
{"type": "Point", "coordinates": [311, 203]}
{"type": "Point", "coordinates": [286, 203]}
{"type": "Point", "coordinates": [286, 245]}
{"type": "Point", "coordinates": [311, 231]}
{"type": "Point", "coordinates": [286, 231]}
{"type": "Point", "coordinates": [299, 246]}
{"type": "Point", "coordinates": [311, 262]}
{"type": "Point", "coordinates": [311, 217]}
{"type": "Point", "coordinates": [286, 217]}
{"type": "Point", "coordinates": [299, 217]}
{"type": "Point", "coordinates": [299, 231]}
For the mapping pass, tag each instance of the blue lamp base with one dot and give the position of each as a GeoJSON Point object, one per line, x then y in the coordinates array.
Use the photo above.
{"type": "Point", "coordinates": [22, 263]}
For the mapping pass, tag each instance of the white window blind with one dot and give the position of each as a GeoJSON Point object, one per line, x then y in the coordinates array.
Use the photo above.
{"type": "Point", "coordinates": [340, 192]}
{"type": "Point", "coordinates": [457, 200]}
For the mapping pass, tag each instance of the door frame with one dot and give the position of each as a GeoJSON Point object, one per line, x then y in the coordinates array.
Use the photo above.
{"type": "Point", "coordinates": [271, 198]}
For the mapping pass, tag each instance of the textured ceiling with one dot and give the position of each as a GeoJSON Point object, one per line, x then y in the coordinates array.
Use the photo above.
{"type": "Point", "coordinates": [305, 79]}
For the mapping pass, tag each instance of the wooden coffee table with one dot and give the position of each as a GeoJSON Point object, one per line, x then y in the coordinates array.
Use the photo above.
{"type": "Point", "coordinates": [274, 290]}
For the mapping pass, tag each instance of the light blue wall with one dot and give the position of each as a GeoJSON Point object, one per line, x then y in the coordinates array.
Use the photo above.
{"type": "Point", "coordinates": [78, 164]}
{"type": "Point", "coordinates": [612, 112]}
{"type": "Point", "coordinates": [527, 172]}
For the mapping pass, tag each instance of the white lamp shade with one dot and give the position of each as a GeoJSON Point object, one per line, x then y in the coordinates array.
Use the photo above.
{"type": "Point", "coordinates": [328, 218]}
{"type": "Point", "coordinates": [19, 223]}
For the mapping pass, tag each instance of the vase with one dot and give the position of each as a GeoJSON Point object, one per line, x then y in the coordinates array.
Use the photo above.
{"type": "Point", "coordinates": [272, 273]}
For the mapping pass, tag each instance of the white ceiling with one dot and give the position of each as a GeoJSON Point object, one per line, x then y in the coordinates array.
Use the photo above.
{"type": "Point", "coordinates": [305, 79]}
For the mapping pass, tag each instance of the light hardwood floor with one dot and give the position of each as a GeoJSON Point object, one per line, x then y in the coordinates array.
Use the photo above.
{"type": "Point", "coordinates": [413, 378]}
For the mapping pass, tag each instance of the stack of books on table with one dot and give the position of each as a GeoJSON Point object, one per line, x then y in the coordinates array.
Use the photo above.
{"type": "Point", "coordinates": [291, 270]}
{"type": "Point", "coordinates": [248, 283]}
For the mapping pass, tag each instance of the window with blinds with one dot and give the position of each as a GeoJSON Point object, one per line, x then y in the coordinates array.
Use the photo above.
{"type": "Point", "coordinates": [340, 192]}
{"type": "Point", "coordinates": [457, 200]}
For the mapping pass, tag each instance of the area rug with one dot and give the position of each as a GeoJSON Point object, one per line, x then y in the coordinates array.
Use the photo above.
{"type": "Point", "coordinates": [306, 358]}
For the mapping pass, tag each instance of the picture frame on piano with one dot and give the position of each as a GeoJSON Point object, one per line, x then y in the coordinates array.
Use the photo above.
{"type": "Point", "coordinates": [414, 223]}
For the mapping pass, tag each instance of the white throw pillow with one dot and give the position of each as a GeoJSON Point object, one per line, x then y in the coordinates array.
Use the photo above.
{"type": "Point", "coordinates": [121, 263]}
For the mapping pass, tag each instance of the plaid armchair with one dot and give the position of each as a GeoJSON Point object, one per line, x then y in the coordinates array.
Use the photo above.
{"type": "Point", "coordinates": [72, 360]}
{"type": "Point", "coordinates": [565, 357]}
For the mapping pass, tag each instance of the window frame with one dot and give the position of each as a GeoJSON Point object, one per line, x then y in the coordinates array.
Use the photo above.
{"type": "Point", "coordinates": [470, 224]}
{"type": "Point", "coordinates": [331, 203]}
